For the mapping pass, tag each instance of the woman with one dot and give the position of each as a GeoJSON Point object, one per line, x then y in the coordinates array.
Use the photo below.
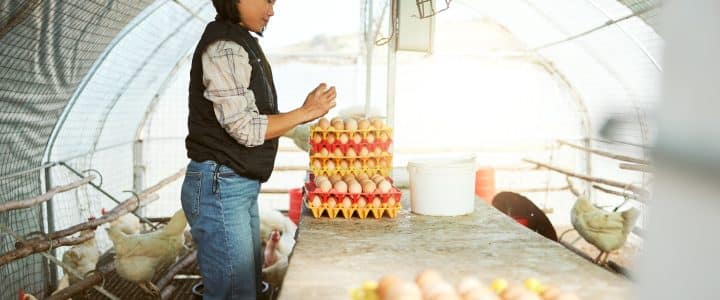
{"type": "Point", "coordinates": [234, 125]}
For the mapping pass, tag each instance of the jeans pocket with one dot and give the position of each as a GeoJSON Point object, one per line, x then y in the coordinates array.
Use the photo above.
{"type": "Point", "coordinates": [190, 194]}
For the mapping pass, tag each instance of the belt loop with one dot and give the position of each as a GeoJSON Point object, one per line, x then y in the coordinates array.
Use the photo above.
{"type": "Point", "coordinates": [216, 177]}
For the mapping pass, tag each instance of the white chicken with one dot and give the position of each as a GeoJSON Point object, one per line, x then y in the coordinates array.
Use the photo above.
{"type": "Point", "coordinates": [280, 234]}
{"type": "Point", "coordinates": [82, 258]}
{"type": "Point", "coordinates": [605, 230]}
{"type": "Point", "coordinates": [127, 223]}
{"type": "Point", "coordinates": [23, 296]}
{"type": "Point", "coordinates": [139, 256]}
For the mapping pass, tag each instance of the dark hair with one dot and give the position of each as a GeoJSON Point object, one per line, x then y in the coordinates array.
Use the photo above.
{"type": "Point", "coordinates": [227, 10]}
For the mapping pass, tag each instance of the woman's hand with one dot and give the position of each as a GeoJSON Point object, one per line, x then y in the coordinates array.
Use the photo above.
{"type": "Point", "coordinates": [318, 102]}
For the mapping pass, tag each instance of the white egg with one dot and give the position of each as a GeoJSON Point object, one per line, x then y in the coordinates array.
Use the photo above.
{"type": "Point", "coordinates": [316, 202]}
{"type": "Point", "coordinates": [351, 124]}
{"type": "Point", "coordinates": [331, 202]}
{"type": "Point", "coordinates": [344, 138]}
{"type": "Point", "coordinates": [357, 138]}
{"type": "Point", "coordinates": [370, 137]}
{"type": "Point", "coordinates": [351, 152]}
{"type": "Point", "coordinates": [340, 186]}
{"type": "Point", "coordinates": [325, 186]}
{"type": "Point", "coordinates": [362, 202]}
{"type": "Point", "coordinates": [347, 203]}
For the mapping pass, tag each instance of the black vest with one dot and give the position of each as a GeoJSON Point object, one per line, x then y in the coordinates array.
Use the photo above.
{"type": "Point", "coordinates": [207, 140]}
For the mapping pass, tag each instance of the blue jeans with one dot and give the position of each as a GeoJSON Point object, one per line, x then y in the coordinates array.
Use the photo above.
{"type": "Point", "coordinates": [221, 208]}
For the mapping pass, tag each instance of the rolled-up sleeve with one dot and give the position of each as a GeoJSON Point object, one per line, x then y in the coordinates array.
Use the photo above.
{"type": "Point", "coordinates": [226, 76]}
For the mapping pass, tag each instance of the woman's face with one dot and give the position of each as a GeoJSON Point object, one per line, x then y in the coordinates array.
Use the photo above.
{"type": "Point", "coordinates": [255, 14]}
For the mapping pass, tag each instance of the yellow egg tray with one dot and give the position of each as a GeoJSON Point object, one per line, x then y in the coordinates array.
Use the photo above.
{"type": "Point", "coordinates": [347, 213]}
{"type": "Point", "coordinates": [363, 132]}
{"type": "Point", "coordinates": [344, 171]}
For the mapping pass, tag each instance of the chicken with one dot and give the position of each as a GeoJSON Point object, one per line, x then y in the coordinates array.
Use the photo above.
{"type": "Point", "coordinates": [605, 230]}
{"type": "Point", "coordinates": [280, 233]}
{"type": "Point", "coordinates": [82, 257]}
{"type": "Point", "coordinates": [23, 296]}
{"type": "Point", "coordinates": [139, 256]}
{"type": "Point", "coordinates": [301, 133]}
{"type": "Point", "coordinates": [127, 223]}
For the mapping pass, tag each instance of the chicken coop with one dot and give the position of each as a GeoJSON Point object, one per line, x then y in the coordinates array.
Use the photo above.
{"type": "Point", "coordinates": [586, 129]}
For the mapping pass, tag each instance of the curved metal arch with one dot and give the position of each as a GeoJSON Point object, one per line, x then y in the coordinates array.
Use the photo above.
{"type": "Point", "coordinates": [101, 60]}
{"type": "Point", "coordinates": [132, 77]}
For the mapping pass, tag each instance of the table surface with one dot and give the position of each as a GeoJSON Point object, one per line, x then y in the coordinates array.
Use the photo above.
{"type": "Point", "coordinates": [332, 256]}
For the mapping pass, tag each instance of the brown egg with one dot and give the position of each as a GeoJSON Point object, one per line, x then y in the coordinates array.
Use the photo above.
{"type": "Point", "coordinates": [481, 293]}
{"type": "Point", "coordinates": [468, 283]}
{"type": "Point", "coordinates": [323, 123]}
{"type": "Point", "coordinates": [362, 202]}
{"type": "Point", "coordinates": [364, 152]}
{"type": "Point", "coordinates": [354, 188]}
{"type": "Point", "coordinates": [344, 164]}
{"type": "Point", "coordinates": [386, 283]}
{"type": "Point", "coordinates": [403, 291]}
{"type": "Point", "coordinates": [325, 186]}
{"type": "Point", "coordinates": [377, 151]}
{"type": "Point", "coordinates": [324, 152]}
{"type": "Point", "coordinates": [348, 177]}
{"type": "Point", "coordinates": [344, 138]}
{"type": "Point", "coordinates": [368, 187]}
{"type": "Point", "coordinates": [338, 152]}
{"type": "Point", "coordinates": [362, 176]}
{"type": "Point", "coordinates": [337, 123]}
{"type": "Point", "coordinates": [347, 202]}
{"type": "Point", "coordinates": [363, 124]}
{"type": "Point", "coordinates": [391, 202]}
{"type": "Point", "coordinates": [550, 293]}
{"type": "Point", "coordinates": [330, 165]}
{"type": "Point", "coordinates": [317, 164]}
{"type": "Point", "coordinates": [340, 186]}
{"type": "Point", "coordinates": [351, 124]}
{"type": "Point", "coordinates": [383, 137]}
{"type": "Point", "coordinates": [357, 138]}
{"type": "Point", "coordinates": [357, 164]}
{"type": "Point", "coordinates": [384, 186]}
{"type": "Point", "coordinates": [428, 276]}
{"type": "Point", "coordinates": [370, 137]}
{"type": "Point", "coordinates": [330, 138]}
{"type": "Point", "coordinates": [377, 178]}
{"type": "Point", "coordinates": [335, 178]}
{"type": "Point", "coordinates": [377, 202]}
{"type": "Point", "coordinates": [320, 179]}
{"type": "Point", "coordinates": [382, 163]}
{"type": "Point", "coordinates": [316, 201]}
{"type": "Point", "coordinates": [350, 152]}
{"type": "Point", "coordinates": [377, 123]}
{"type": "Point", "coordinates": [370, 163]}
{"type": "Point", "coordinates": [331, 202]}
{"type": "Point", "coordinates": [317, 138]}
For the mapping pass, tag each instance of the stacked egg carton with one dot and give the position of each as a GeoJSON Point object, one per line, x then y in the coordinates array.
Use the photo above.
{"type": "Point", "coordinates": [350, 147]}
{"type": "Point", "coordinates": [350, 163]}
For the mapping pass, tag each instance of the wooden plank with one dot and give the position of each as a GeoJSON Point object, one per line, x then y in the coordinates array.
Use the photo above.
{"type": "Point", "coordinates": [627, 186]}
{"type": "Point", "coordinates": [44, 197]}
{"type": "Point", "coordinates": [606, 154]}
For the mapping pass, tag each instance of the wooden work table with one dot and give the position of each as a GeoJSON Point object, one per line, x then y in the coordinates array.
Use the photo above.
{"type": "Point", "coordinates": [333, 255]}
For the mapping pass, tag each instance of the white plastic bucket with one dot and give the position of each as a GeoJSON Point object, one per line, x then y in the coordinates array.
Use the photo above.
{"type": "Point", "coordinates": [442, 187]}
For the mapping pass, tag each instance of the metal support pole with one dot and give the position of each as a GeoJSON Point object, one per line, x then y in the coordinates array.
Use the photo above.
{"type": "Point", "coordinates": [102, 191]}
{"type": "Point", "coordinates": [369, 44]}
{"type": "Point", "coordinates": [51, 269]}
{"type": "Point", "coordinates": [138, 171]}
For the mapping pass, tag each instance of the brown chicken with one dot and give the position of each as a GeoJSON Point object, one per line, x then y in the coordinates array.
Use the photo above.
{"type": "Point", "coordinates": [605, 230]}
{"type": "Point", "coordinates": [139, 256]}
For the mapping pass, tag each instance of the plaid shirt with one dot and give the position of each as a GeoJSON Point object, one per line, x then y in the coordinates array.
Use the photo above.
{"type": "Point", "coordinates": [226, 76]}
